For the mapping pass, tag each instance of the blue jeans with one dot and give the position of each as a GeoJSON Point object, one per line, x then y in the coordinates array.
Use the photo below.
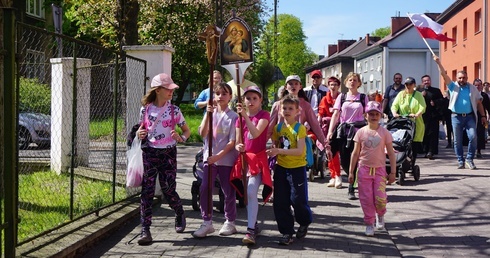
{"type": "Point", "coordinates": [461, 123]}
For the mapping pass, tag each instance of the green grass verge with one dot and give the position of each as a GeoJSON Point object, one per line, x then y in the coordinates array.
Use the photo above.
{"type": "Point", "coordinates": [44, 200]}
{"type": "Point", "coordinates": [193, 118]}
{"type": "Point", "coordinates": [104, 129]}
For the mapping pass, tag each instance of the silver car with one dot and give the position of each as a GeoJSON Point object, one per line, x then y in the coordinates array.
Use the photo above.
{"type": "Point", "coordinates": [34, 128]}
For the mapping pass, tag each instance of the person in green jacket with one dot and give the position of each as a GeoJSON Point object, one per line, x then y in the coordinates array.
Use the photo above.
{"type": "Point", "coordinates": [411, 103]}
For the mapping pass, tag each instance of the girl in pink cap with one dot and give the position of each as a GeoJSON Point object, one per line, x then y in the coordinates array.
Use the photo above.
{"type": "Point", "coordinates": [158, 118]}
{"type": "Point", "coordinates": [369, 149]}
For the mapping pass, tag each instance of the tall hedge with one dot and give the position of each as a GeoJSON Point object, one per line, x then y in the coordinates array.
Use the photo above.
{"type": "Point", "coordinates": [34, 96]}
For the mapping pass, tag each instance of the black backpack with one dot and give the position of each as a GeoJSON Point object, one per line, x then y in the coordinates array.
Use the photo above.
{"type": "Point", "coordinates": [362, 100]}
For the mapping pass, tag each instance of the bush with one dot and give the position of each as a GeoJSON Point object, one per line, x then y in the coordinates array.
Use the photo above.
{"type": "Point", "coordinates": [34, 96]}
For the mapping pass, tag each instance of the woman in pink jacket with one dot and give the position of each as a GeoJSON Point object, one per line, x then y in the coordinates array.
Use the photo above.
{"type": "Point", "coordinates": [306, 117]}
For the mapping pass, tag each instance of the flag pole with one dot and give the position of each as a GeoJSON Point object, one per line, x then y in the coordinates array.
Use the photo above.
{"type": "Point", "coordinates": [425, 41]}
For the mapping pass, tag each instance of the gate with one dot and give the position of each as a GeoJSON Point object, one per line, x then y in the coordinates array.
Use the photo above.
{"type": "Point", "coordinates": [72, 127]}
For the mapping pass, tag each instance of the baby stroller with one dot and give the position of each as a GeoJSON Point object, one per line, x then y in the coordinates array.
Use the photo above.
{"type": "Point", "coordinates": [198, 171]}
{"type": "Point", "coordinates": [403, 129]}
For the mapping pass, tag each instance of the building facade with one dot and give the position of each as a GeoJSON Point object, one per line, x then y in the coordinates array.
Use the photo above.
{"type": "Point", "coordinates": [467, 22]}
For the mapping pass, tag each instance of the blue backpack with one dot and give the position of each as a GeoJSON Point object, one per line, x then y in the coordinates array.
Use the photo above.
{"type": "Point", "coordinates": [309, 144]}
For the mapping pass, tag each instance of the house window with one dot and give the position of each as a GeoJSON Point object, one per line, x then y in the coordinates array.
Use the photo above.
{"type": "Point", "coordinates": [445, 42]}
{"type": "Point", "coordinates": [465, 68]}
{"type": "Point", "coordinates": [477, 70]}
{"type": "Point", "coordinates": [465, 28]}
{"type": "Point", "coordinates": [372, 63]}
{"type": "Point", "coordinates": [455, 36]}
{"type": "Point", "coordinates": [366, 66]}
{"type": "Point", "coordinates": [35, 8]}
{"type": "Point", "coordinates": [478, 21]}
{"type": "Point", "coordinates": [34, 65]}
{"type": "Point", "coordinates": [454, 73]}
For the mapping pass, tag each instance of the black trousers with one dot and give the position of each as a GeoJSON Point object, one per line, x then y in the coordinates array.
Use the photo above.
{"type": "Point", "coordinates": [449, 127]}
{"type": "Point", "coordinates": [431, 136]}
{"type": "Point", "coordinates": [480, 135]}
{"type": "Point", "coordinates": [339, 145]}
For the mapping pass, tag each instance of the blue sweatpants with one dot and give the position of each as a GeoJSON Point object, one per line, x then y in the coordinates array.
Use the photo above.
{"type": "Point", "coordinates": [291, 189]}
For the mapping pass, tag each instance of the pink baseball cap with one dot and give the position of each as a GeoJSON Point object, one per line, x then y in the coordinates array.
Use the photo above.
{"type": "Point", "coordinates": [253, 88]}
{"type": "Point", "coordinates": [163, 80]}
{"type": "Point", "coordinates": [373, 106]}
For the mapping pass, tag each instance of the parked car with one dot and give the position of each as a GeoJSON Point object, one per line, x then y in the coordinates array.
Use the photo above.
{"type": "Point", "coordinates": [34, 128]}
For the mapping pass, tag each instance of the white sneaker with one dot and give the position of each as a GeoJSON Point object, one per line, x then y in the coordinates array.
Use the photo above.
{"type": "Point", "coordinates": [338, 182]}
{"type": "Point", "coordinates": [228, 228]}
{"type": "Point", "coordinates": [380, 222]}
{"type": "Point", "coordinates": [204, 230]}
{"type": "Point", "coordinates": [331, 183]}
{"type": "Point", "coordinates": [369, 230]}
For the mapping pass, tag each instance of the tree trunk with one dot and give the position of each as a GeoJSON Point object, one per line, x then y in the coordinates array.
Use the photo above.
{"type": "Point", "coordinates": [131, 20]}
{"type": "Point", "coordinates": [127, 18]}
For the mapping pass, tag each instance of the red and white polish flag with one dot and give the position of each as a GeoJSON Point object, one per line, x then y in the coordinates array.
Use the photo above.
{"type": "Point", "coordinates": [428, 28]}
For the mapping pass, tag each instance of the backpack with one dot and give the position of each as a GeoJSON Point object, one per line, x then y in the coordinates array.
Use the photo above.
{"type": "Point", "coordinates": [309, 144]}
{"type": "Point", "coordinates": [362, 100]}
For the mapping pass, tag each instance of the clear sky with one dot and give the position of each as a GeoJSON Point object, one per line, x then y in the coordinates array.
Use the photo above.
{"type": "Point", "coordinates": [326, 21]}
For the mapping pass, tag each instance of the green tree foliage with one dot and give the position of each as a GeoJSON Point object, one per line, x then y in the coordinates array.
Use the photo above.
{"type": "Point", "coordinates": [262, 74]}
{"type": "Point", "coordinates": [292, 53]}
{"type": "Point", "coordinates": [381, 32]}
{"type": "Point", "coordinates": [175, 23]}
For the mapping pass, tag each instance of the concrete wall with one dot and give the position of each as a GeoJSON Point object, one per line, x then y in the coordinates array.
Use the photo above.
{"type": "Point", "coordinates": [158, 60]}
{"type": "Point", "coordinates": [62, 100]}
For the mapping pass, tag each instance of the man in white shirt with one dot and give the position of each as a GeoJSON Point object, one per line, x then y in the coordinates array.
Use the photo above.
{"type": "Point", "coordinates": [316, 91]}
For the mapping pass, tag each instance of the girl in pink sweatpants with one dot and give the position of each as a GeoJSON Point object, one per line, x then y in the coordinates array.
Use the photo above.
{"type": "Point", "coordinates": [369, 153]}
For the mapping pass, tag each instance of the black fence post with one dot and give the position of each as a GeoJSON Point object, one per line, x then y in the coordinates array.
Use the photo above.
{"type": "Point", "coordinates": [73, 131]}
{"type": "Point", "coordinates": [115, 116]}
{"type": "Point", "coordinates": [10, 148]}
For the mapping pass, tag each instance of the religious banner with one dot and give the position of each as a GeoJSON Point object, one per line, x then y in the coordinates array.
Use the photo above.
{"type": "Point", "coordinates": [236, 42]}
{"type": "Point", "coordinates": [236, 55]}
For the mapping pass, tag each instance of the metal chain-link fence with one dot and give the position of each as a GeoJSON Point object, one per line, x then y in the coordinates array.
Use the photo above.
{"type": "Point", "coordinates": [72, 129]}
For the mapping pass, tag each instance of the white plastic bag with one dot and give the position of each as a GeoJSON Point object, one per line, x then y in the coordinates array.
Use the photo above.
{"type": "Point", "coordinates": [134, 175]}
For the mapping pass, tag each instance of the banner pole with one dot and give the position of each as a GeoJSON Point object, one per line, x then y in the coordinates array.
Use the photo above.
{"type": "Point", "coordinates": [425, 41]}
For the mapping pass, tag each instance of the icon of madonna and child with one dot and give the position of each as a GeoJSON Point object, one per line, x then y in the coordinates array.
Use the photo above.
{"type": "Point", "coordinates": [236, 47]}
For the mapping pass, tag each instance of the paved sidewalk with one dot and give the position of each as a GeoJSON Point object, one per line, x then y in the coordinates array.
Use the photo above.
{"type": "Point", "coordinates": [446, 213]}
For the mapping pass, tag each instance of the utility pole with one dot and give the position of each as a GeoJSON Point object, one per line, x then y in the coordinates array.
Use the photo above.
{"type": "Point", "coordinates": [276, 70]}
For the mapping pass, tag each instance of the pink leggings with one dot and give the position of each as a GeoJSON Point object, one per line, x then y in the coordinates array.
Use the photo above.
{"type": "Point", "coordinates": [372, 192]}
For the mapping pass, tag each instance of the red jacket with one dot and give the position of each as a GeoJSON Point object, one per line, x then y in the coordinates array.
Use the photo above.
{"type": "Point", "coordinates": [325, 104]}
{"type": "Point", "coordinates": [256, 162]}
